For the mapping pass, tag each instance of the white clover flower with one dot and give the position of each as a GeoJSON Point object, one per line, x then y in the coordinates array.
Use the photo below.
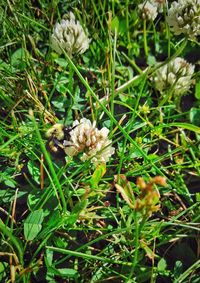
{"type": "Point", "coordinates": [148, 10]}
{"type": "Point", "coordinates": [184, 17]}
{"type": "Point", "coordinates": [87, 139]}
{"type": "Point", "coordinates": [177, 74]}
{"type": "Point", "coordinates": [159, 4]}
{"type": "Point", "coordinates": [69, 35]}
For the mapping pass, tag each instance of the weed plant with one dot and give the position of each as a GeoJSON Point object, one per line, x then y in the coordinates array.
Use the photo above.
{"type": "Point", "coordinates": [133, 219]}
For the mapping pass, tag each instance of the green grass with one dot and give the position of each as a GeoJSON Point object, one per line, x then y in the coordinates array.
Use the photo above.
{"type": "Point", "coordinates": [61, 219]}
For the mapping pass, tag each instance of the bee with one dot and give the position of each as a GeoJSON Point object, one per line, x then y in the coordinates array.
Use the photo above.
{"type": "Point", "coordinates": [56, 135]}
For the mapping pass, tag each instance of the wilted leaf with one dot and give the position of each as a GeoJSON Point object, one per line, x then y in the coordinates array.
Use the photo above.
{"type": "Point", "coordinates": [123, 186]}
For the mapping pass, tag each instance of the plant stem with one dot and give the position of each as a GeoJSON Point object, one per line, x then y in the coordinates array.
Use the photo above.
{"type": "Point", "coordinates": [145, 38]}
{"type": "Point", "coordinates": [51, 168]}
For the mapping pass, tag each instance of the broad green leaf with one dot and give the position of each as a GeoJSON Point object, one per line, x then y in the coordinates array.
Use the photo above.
{"type": "Point", "coordinates": [51, 223]}
{"type": "Point", "coordinates": [151, 60]}
{"type": "Point", "coordinates": [18, 59]}
{"type": "Point", "coordinates": [115, 23]}
{"type": "Point", "coordinates": [195, 116]}
{"type": "Point", "coordinates": [4, 65]}
{"type": "Point", "coordinates": [33, 224]}
{"type": "Point", "coordinates": [97, 175]}
{"type": "Point", "coordinates": [10, 183]}
{"type": "Point", "coordinates": [68, 272]}
{"type": "Point", "coordinates": [61, 272]}
{"type": "Point", "coordinates": [197, 90]}
{"type": "Point", "coordinates": [80, 206]}
{"type": "Point", "coordinates": [162, 265]}
{"type": "Point", "coordinates": [178, 268]}
{"type": "Point", "coordinates": [61, 62]}
{"type": "Point", "coordinates": [3, 268]}
{"type": "Point", "coordinates": [197, 197]}
{"type": "Point", "coordinates": [34, 170]}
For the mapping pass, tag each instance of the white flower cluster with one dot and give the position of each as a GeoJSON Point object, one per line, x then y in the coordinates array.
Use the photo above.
{"type": "Point", "coordinates": [70, 36]}
{"type": "Point", "coordinates": [150, 9]}
{"type": "Point", "coordinates": [184, 17]}
{"type": "Point", "coordinates": [87, 139]}
{"type": "Point", "coordinates": [177, 74]}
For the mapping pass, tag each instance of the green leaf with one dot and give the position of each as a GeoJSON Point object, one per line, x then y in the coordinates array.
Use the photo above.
{"type": "Point", "coordinates": [162, 265]}
{"type": "Point", "coordinates": [178, 268]}
{"type": "Point", "coordinates": [68, 272]}
{"type": "Point", "coordinates": [80, 206]}
{"type": "Point", "coordinates": [18, 59]}
{"type": "Point", "coordinates": [32, 224]}
{"type": "Point", "coordinates": [61, 84]}
{"type": "Point", "coordinates": [51, 223]}
{"type": "Point", "coordinates": [195, 116]}
{"type": "Point", "coordinates": [185, 126]}
{"type": "Point", "coordinates": [3, 268]}
{"type": "Point", "coordinates": [151, 60]}
{"type": "Point", "coordinates": [197, 90]}
{"type": "Point", "coordinates": [124, 187]}
{"type": "Point", "coordinates": [97, 175]}
{"type": "Point", "coordinates": [4, 65]}
{"type": "Point", "coordinates": [34, 170]}
{"type": "Point", "coordinates": [197, 197]}
{"type": "Point", "coordinates": [115, 23]}
{"type": "Point", "coordinates": [10, 183]}
{"type": "Point", "coordinates": [61, 62]}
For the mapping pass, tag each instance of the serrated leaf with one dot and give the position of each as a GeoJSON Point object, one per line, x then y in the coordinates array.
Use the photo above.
{"type": "Point", "coordinates": [33, 224]}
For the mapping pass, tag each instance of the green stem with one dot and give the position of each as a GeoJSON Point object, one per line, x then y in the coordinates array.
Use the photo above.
{"type": "Point", "coordinates": [145, 38]}
{"type": "Point", "coordinates": [87, 256]}
{"type": "Point", "coordinates": [6, 231]}
{"type": "Point", "coordinates": [127, 27]}
{"type": "Point", "coordinates": [71, 75]}
{"type": "Point", "coordinates": [136, 244]}
{"type": "Point", "coordinates": [51, 168]}
{"type": "Point", "coordinates": [144, 155]}
{"type": "Point", "coordinates": [113, 51]}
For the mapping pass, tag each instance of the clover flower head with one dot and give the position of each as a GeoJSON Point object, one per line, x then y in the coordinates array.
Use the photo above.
{"type": "Point", "coordinates": [184, 17]}
{"type": "Point", "coordinates": [70, 36]}
{"type": "Point", "coordinates": [159, 4]}
{"type": "Point", "coordinates": [177, 74]}
{"type": "Point", "coordinates": [148, 10]}
{"type": "Point", "coordinates": [85, 138]}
